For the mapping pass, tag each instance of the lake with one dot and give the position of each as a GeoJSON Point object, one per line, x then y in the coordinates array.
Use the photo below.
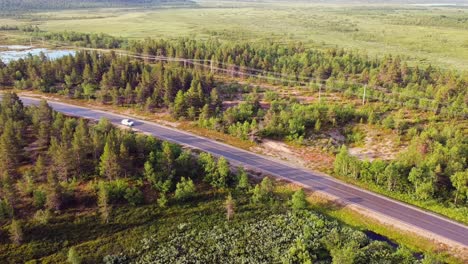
{"type": "Point", "coordinates": [16, 52]}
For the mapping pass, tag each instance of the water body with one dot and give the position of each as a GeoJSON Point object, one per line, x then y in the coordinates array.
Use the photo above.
{"type": "Point", "coordinates": [16, 52]}
{"type": "Point", "coordinates": [377, 237]}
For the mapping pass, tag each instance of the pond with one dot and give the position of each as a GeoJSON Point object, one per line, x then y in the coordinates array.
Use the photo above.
{"type": "Point", "coordinates": [16, 52]}
{"type": "Point", "coordinates": [377, 237]}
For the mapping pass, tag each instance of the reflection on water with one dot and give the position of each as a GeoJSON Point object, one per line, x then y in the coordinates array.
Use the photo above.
{"type": "Point", "coordinates": [16, 52]}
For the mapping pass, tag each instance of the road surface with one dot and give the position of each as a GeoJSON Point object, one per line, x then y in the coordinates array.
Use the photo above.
{"type": "Point", "coordinates": [403, 216]}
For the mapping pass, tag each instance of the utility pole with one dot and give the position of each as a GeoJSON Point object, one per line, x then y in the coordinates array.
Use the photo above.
{"type": "Point", "coordinates": [364, 95]}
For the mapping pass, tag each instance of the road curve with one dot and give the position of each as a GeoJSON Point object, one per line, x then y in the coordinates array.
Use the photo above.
{"type": "Point", "coordinates": [412, 219]}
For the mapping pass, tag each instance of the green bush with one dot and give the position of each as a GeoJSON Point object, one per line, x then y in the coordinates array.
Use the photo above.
{"type": "Point", "coordinates": [39, 198]}
{"type": "Point", "coordinates": [6, 211]}
{"type": "Point", "coordinates": [298, 200]}
{"type": "Point", "coordinates": [134, 196]}
{"type": "Point", "coordinates": [185, 189]}
{"type": "Point", "coordinates": [42, 216]}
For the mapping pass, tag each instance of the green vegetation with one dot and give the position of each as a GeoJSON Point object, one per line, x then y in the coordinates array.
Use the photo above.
{"type": "Point", "coordinates": [327, 77]}
{"type": "Point", "coordinates": [419, 33]}
{"type": "Point", "coordinates": [198, 94]}
{"type": "Point", "coordinates": [120, 187]}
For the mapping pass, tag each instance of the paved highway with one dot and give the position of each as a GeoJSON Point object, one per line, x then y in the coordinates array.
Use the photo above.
{"type": "Point", "coordinates": [392, 212]}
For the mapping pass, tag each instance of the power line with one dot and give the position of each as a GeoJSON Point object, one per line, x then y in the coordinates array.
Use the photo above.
{"type": "Point", "coordinates": [271, 76]}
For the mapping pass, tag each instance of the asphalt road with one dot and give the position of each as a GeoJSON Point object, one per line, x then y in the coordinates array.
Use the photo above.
{"type": "Point", "coordinates": [416, 220]}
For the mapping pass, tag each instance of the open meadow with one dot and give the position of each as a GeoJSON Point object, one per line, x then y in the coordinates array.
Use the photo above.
{"type": "Point", "coordinates": [436, 35]}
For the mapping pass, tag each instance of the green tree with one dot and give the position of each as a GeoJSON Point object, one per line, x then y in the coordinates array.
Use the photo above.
{"type": "Point", "coordinates": [423, 182]}
{"type": "Point", "coordinates": [103, 202]}
{"type": "Point", "coordinates": [39, 167]}
{"type": "Point", "coordinates": [61, 157]}
{"type": "Point", "coordinates": [162, 200]}
{"type": "Point", "coordinates": [243, 179]}
{"type": "Point", "coordinates": [223, 173]}
{"type": "Point", "coordinates": [298, 253]}
{"type": "Point", "coordinates": [346, 165]}
{"type": "Point", "coordinates": [460, 183]}
{"type": "Point", "coordinates": [267, 185]}
{"type": "Point", "coordinates": [6, 210]}
{"type": "Point", "coordinates": [109, 162]}
{"type": "Point", "coordinates": [54, 193]}
{"type": "Point", "coordinates": [80, 146]}
{"type": "Point", "coordinates": [73, 256]}
{"type": "Point", "coordinates": [42, 216]}
{"type": "Point", "coordinates": [208, 164]}
{"type": "Point", "coordinates": [16, 232]}
{"type": "Point", "coordinates": [10, 148]}
{"type": "Point", "coordinates": [257, 194]}
{"type": "Point", "coordinates": [134, 196]}
{"type": "Point", "coordinates": [298, 200]}
{"type": "Point", "coordinates": [185, 189]}
{"type": "Point", "coordinates": [179, 109]}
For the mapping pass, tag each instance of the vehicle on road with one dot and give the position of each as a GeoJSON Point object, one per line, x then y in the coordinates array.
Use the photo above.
{"type": "Point", "coordinates": [127, 122]}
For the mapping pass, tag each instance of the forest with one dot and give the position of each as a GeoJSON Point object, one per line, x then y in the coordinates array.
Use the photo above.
{"type": "Point", "coordinates": [104, 177]}
{"type": "Point", "coordinates": [432, 168]}
{"type": "Point", "coordinates": [388, 78]}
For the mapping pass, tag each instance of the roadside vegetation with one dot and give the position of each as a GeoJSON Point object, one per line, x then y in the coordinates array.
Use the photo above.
{"type": "Point", "coordinates": [83, 192]}
{"type": "Point", "coordinates": [431, 170]}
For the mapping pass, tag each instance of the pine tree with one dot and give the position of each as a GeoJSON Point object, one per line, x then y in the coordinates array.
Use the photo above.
{"type": "Point", "coordinates": [243, 179]}
{"type": "Point", "coordinates": [80, 146]}
{"type": "Point", "coordinates": [128, 94]}
{"type": "Point", "coordinates": [185, 189]}
{"type": "Point", "coordinates": [73, 256]}
{"type": "Point", "coordinates": [42, 120]}
{"type": "Point", "coordinates": [103, 203]}
{"type": "Point", "coordinates": [179, 108]}
{"type": "Point", "coordinates": [223, 173]}
{"type": "Point", "coordinates": [257, 194]}
{"type": "Point", "coordinates": [10, 148]}
{"type": "Point", "coordinates": [109, 163]}
{"type": "Point", "coordinates": [298, 201]}
{"type": "Point", "coordinates": [54, 193]}
{"type": "Point", "coordinates": [61, 157]}
{"type": "Point", "coordinates": [16, 232]}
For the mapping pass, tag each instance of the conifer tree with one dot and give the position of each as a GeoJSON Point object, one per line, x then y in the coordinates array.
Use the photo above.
{"type": "Point", "coordinates": [73, 256]}
{"type": "Point", "coordinates": [298, 201]}
{"type": "Point", "coordinates": [16, 232]}
{"type": "Point", "coordinates": [103, 203]}
{"type": "Point", "coordinates": [10, 148]}
{"type": "Point", "coordinates": [242, 179]}
{"type": "Point", "coordinates": [109, 162]}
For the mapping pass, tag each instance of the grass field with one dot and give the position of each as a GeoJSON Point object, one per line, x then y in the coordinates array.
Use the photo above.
{"type": "Point", "coordinates": [436, 35]}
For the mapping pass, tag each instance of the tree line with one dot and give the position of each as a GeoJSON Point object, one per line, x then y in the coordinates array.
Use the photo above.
{"type": "Point", "coordinates": [112, 79]}
{"type": "Point", "coordinates": [433, 167]}
{"type": "Point", "coordinates": [45, 156]}
{"type": "Point", "coordinates": [389, 78]}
